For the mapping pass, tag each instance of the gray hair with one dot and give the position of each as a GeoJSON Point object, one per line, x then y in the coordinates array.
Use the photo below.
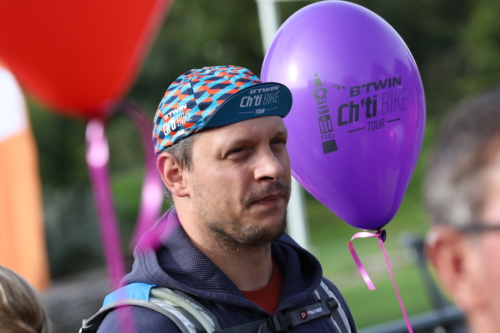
{"type": "Point", "coordinates": [21, 310]}
{"type": "Point", "coordinates": [182, 153]}
{"type": "Point", "coordinates": [454, 183]}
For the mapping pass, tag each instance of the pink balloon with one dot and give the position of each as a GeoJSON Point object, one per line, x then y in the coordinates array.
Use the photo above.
{"type": "Point", "coordinates": [358, 115]}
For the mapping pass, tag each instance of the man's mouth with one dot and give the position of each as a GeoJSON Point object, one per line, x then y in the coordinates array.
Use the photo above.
{"type": "Point", "coordinates": [270, 199]}
{"type": "Point", "coordinates": [271, 194]}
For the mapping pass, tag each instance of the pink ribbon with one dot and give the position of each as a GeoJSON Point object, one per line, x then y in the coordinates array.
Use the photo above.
{"type": "Point", "coordinates": [97, 160]}
{"type": "Point", "coordinates": [151, 199]}
{"type": "Point", "coordinates": [381, 234]}
{"type": "Point", "coordinates": [151, 195]}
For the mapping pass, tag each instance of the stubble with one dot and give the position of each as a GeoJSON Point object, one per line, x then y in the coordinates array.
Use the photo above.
{"type": "Point", "coordinates": [230, 234]}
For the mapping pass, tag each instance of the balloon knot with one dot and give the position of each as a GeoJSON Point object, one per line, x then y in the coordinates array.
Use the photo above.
{"type": "Point", "coordinates": [382, 234]}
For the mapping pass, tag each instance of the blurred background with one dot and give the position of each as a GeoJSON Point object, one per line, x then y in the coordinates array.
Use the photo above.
{"type": "Point", "coordinates": [455, 44]}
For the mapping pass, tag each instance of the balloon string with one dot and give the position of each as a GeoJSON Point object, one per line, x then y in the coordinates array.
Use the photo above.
{"type": "Point", "coordinates": [401, 305]}
{"type": "Point", "coordinates": [151, 195]}
{"type": "Point", "coordinates": [358, 263]}
{"type": "Point", "coordinates": [381, 234]}
{"type": "Point", "coordinates": [97, 161]}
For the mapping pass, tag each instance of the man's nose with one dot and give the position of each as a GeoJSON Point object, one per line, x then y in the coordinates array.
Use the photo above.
{"type": "Point", "coordinates": [268, 167]}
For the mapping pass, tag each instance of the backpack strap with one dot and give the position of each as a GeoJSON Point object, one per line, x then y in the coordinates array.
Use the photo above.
{"type": "Point", "coordinates": [207, 313]}
{"type": "Point", "coordinates": [92, 324]}
{"type": "Point", "coordinates": [189, 315]}
{"type": "Point", "coordinates": [338, 317]}
{"type": "Point", "coordinates": [252, 327]}
{"type": "Point", "coordinates": [184, 303]}
{"type": "Point", "coordinates": [192, 317]}
{"type": "Point", "coordinates": [327, 305]}
{"type": "Point", "coordinates": [282, 322]}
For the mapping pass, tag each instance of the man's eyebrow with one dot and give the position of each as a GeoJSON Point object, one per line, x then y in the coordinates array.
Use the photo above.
{"type": "Point", "coordinates": [238, 142]}
{"type": "Point", "coordinates": [281, 132]}
{"type": "Point", "coordinates": [242, 141]}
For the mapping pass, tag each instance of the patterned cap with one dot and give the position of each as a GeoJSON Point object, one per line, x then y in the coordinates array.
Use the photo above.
{"type": "Point", "coordinates": [213, 97]}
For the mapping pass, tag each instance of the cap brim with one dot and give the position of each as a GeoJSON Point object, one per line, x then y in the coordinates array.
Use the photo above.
{"type": "Point", "coordinates": [260, 100]}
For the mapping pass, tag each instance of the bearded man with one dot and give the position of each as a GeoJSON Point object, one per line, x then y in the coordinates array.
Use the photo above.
{"type": "Point", "coordinates": [221, 153]}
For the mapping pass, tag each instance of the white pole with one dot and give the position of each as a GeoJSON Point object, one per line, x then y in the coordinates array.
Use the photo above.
{"type": "Point", "coordinates": [297, 222]}
{"type": "Point", "coordinates": [268, 20]}
{"type": "Point", "coordinates": [297, 226]}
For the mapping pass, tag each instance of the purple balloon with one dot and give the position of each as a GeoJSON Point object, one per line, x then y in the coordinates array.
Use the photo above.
{"type": "Point", "coordinates": [358, 115]}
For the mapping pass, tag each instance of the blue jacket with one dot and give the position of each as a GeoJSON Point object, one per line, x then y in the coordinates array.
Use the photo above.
{"type": "Point", "coordinates": [178, 264]}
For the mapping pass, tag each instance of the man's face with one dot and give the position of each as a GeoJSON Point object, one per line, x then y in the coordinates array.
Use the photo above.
{"type": "Point", "coordinates": [486, 247]}
{"type": "Point", "coordinates": [239, 183]}
{"type": "Point", "coordinates": [468, 265]}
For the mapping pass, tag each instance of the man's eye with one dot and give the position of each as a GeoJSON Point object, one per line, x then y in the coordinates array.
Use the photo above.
{"type": "Point", "coordinates": [279, 141]}
{"type": "Point", "coordinates": [236, 150]}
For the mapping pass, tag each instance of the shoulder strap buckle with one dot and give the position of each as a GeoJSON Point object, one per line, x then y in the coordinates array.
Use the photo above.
{"type": "Point", "coordinates": [278, 325]}
{"type": "Point", "coordinates": [332, 305]}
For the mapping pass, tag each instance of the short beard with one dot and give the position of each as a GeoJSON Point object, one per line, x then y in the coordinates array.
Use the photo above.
{"type": "Point", "coordinates": [246, 238]}
{"type": "Point", "coordinates": [241, 235]}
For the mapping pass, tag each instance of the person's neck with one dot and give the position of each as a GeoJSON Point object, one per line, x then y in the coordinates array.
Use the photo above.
{"type": "Point", "coordinates": [250, 268]}
{"type": "Point", "coordinates": [483, 322]}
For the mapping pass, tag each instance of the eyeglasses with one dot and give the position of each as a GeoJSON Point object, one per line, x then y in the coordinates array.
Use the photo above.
{"type": "Point", "coordinates": [478, 227]}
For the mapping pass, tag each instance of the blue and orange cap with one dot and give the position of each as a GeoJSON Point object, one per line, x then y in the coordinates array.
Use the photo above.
{"type": "Point", "coordinates": [212, 97]}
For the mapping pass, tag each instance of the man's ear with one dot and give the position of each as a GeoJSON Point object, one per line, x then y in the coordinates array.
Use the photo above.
{"type": "Point", "coordinates": [453, 257]}
{"type": "Point", "coordinates": [172, 174]}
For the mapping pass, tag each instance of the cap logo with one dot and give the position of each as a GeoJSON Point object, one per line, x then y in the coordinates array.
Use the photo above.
{"type": "Point", "coordinates": [263, 90]}
{"type": "Point", "coordinates": [175, 122]}
{"type": "Point", "coordinates": [265, 97]}
{"type": "Point", "coordinates": [171, 113]}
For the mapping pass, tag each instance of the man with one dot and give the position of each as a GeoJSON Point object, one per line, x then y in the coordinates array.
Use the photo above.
{"type": "Point", "coordinates": [222, 156]}
{"type": "Point", "coordinates": [463, 198]}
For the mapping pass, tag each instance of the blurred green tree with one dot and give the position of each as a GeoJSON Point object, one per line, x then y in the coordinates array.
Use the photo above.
{"type": "Point", "coordinates": [455, 43]}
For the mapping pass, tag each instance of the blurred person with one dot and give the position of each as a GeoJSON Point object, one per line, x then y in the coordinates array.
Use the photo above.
{"type": "Point", "coordinates": [221, 152]}
{"type": "Point", "coordinates": [21, 310]}
{"type": "Point", "coordinates": [462, 193]}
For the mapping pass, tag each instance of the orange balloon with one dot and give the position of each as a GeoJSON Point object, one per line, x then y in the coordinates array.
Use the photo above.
{"type": "Point", "coordinates": [78, 57]}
